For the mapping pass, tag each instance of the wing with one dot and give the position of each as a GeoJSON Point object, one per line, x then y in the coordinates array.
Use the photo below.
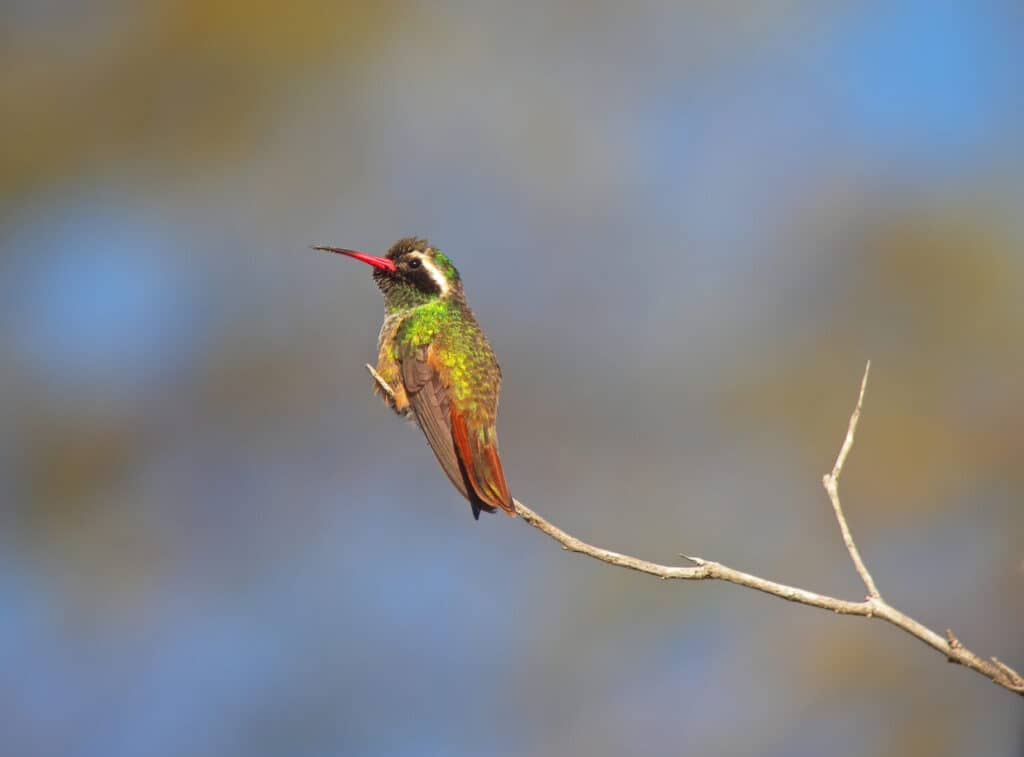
{"type": "Point", "coordinates": [431, 407]}
{"type": "Point", "coordinates": [464, 453]}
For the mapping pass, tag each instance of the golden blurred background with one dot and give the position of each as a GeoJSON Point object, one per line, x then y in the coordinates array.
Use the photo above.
{"type": "Point", "coordinates": [684, 226]}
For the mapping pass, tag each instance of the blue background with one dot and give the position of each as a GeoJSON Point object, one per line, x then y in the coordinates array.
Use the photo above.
{"type": "Point", "coordinates": [685, 227]}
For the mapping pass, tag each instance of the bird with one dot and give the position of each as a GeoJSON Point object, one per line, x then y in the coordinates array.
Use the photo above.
{"type": "Point", "coordinates": [436, 367]}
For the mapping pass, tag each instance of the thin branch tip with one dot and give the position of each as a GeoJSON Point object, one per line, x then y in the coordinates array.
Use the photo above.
{"type": "Point", "coordinates": [831, 483]}
{"type": "Point", "coordinates": [851, 429]}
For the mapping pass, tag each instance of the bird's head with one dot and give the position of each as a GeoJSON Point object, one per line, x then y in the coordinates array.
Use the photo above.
{"type": "Point", "coordinates": [411, 273]}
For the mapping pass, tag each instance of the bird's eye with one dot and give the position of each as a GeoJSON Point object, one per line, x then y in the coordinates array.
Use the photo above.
{"type": "Point", "coordinates": [415, 263]}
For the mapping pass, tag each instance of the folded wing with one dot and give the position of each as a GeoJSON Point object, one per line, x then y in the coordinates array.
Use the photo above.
{"type": "Point", "coordinates": [467, 453]}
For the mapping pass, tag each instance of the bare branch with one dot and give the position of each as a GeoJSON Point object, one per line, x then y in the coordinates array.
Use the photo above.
{"type": "Point", "coordinates": [831, 483]}
{"type": "Point", "coordinates": [851, 430]}
{"type": "Point", "coordinates": [874, 606]}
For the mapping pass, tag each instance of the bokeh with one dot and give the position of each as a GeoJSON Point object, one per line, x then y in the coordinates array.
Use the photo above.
{"type": "Point", "coordinates": [685, 227]}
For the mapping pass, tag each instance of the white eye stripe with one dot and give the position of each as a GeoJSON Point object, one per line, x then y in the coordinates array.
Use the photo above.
{"type": "Point", "coordinates": [434, 272]}
{"type": "Point", "coordinates": [436, 275]}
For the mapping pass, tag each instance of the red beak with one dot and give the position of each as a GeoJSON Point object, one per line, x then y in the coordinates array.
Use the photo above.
{"type": "Point", "coordinates": [383, 264]}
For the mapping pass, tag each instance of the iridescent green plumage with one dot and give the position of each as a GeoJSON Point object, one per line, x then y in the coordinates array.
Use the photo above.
{"type": "Point", "coordinates": [440, 368]}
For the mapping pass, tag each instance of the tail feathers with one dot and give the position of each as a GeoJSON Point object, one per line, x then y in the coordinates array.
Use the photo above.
{"type": "Point", "coordinates": [481, 467]}
{"type": "Point", "coordinates": [475, 502]}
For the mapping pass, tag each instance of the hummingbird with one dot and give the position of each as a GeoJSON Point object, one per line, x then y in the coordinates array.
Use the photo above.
{"type": "Point", "coordinates": [435, 366]}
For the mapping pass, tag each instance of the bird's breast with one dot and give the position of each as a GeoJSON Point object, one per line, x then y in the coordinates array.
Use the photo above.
{"type": "Point", "coordinates": [388, 329]}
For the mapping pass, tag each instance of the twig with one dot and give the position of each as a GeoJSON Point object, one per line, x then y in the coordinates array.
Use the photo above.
{"type": "Point", "coordinates": [831, 483]}
{"type": "Point", "coordinates": [873, 606]}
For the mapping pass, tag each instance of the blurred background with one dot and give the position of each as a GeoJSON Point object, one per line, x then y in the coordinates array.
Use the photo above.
{"type": "Point", "coordinates": [684, 226]}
